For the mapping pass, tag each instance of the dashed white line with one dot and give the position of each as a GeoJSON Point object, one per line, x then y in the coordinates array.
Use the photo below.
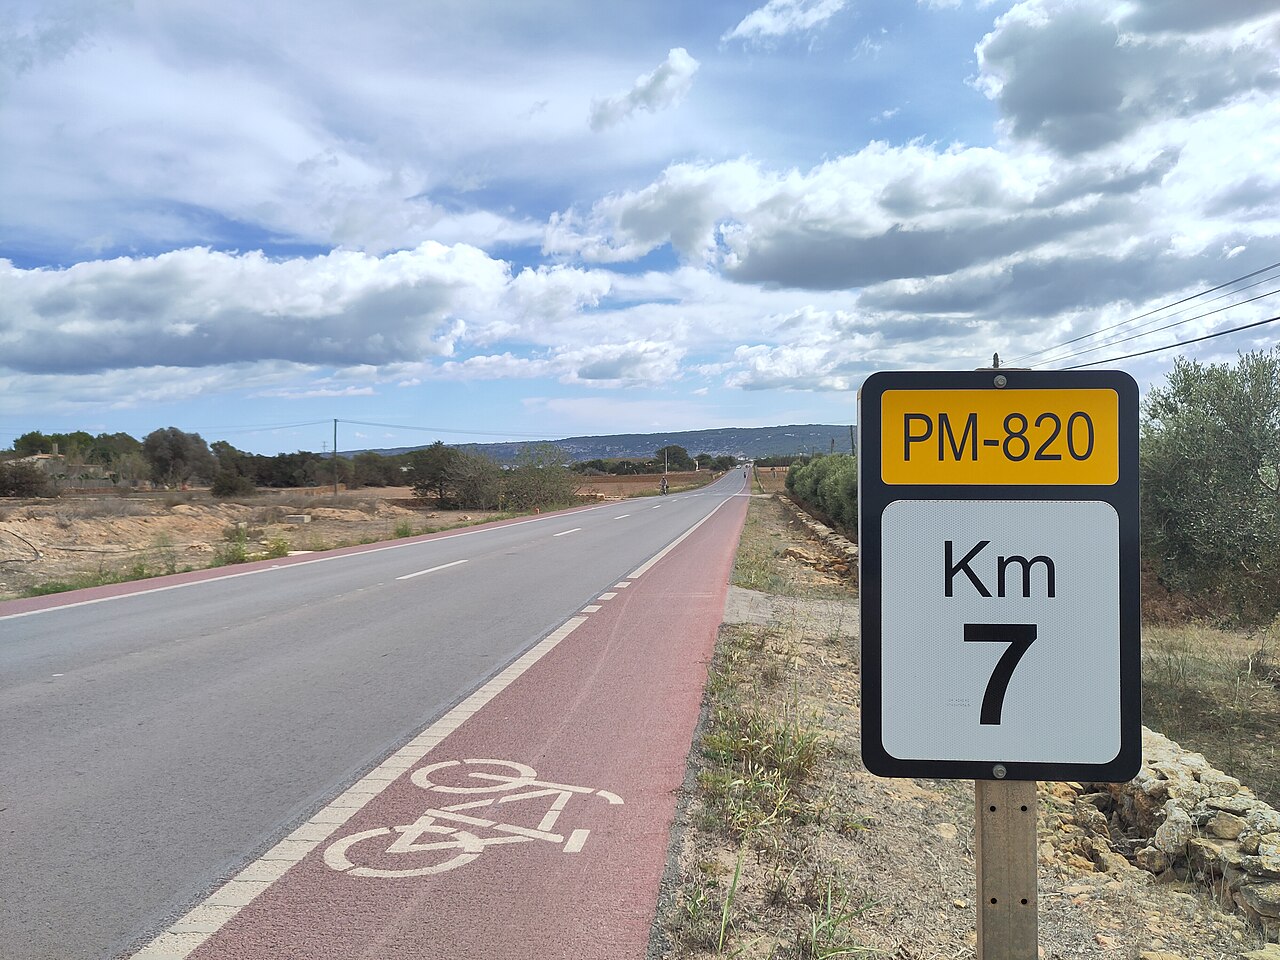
{"type": "Point", "coordinates": [443, 566]}
{"type": "Point", "coordinates": [606, 596]}
{"type": "Point", "coordinates": [623, 517]}
{"type": "Point", "coordinates": [619, 586]}
{"type": "Point", "coordinates": [565, 533]}
{"type": "Point", "coordinates": [591, 608]}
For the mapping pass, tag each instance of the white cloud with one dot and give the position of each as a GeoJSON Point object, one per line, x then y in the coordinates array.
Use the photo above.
{"type": "Point", "coordinates": [778, 18]}
{"type": "Point", "coordinates": [200, 308]}
{"type": "Point", "coordinates": [1145, 63]}
{"type": "Point", "coordinates": [665, 87]}
{"type": "Point", "coordinates": [623, 364]}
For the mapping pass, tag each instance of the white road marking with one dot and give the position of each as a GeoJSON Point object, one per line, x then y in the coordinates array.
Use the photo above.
{"type": "Point", "coordinates": [623, 517]}
{"type": "Point", "coordinates": [576, 841]}
{"type": "Point", "coordinates": [619, 586]}
{"type": "Point", "coordinates": [443, 566]}
{"type": "Point", "coordinates": [655, 507]}
{"type": "Point", "coordinates": [565, 533]}
{"type": "Point", "coordinates": [591, 608]}
{"type": "Point", "coordinates": [606, 596]}
{"type": "Point", "coordinates": [645, 567]}
{"type": "Point", "coordinates": [206, 919]}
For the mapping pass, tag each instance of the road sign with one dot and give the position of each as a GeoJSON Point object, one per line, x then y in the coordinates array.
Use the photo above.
{"type": "Point", "coordinates": [998, 522]}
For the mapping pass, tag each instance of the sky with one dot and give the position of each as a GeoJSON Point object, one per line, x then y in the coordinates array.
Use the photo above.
{"type": "Point", "coordinates": [472, 220]}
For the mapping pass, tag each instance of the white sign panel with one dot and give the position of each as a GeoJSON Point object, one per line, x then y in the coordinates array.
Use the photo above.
{"type": "Point", "coordinates": [1000, 636]}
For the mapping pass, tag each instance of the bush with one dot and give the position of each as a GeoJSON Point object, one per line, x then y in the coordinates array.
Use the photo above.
{"type": "Point", "coordinates": [228, 483]}
{"type": "Point", "coordinates": [23, 480]}
{"type": "Point", "coordinates": [828, 487]}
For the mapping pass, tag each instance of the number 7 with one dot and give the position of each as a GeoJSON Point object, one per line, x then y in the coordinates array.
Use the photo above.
{"type": "Point", "coordinates": [1019, 636]}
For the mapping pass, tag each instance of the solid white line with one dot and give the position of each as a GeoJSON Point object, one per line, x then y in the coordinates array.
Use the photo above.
{"type": "Point", "coordinates": [287, 566]}
{"type": "Point", "coordinates": [565, 533]}
{"type": "Point", "coordinates": [206, 919]}
{"type": "Point", "coordinates": [443, 566]}
{"type": "Point", "coordinates": [645, 567]}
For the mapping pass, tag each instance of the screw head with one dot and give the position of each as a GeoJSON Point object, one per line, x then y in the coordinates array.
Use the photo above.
{"type": "Point", "coordinates": [1001, 380]}
{"type": "Point", "coordinates": [999, 771]}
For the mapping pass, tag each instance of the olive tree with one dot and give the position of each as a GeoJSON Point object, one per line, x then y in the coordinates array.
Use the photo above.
{"type": "Point", "coordinates": [1209, 471]}
{"type": "Point", "coordinates": [177, 457]}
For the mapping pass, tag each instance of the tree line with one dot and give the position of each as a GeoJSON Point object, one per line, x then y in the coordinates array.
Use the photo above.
{"type": "Point", "coordinates": [671, 457]}
{"type": "Point", "coordinates": [458, 477]}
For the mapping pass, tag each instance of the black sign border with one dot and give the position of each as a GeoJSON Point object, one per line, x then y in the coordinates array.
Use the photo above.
{"type": "Point", "coordinates": [874, 496]}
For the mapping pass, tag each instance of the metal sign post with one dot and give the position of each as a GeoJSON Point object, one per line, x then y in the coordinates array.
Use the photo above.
{"type": "Point", "coordinates": [998, 553]}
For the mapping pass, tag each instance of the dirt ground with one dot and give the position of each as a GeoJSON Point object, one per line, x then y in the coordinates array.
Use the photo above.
{"type": "Point", "coordinates": [853, 865]}
{"type": "Point", "coordinates": [82, 541]}
{"type": "Point", "coordinates": [641, 484]}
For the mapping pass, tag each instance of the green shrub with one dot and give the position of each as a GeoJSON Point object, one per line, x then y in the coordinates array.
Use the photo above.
{"type": "Point", "coordinates": [828, 487]}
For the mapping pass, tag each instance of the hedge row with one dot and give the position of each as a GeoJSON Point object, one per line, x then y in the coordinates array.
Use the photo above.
{"type": "Point", "coordinates": [828, 487]}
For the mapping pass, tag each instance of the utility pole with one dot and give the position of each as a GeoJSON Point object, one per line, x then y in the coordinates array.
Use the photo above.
{"type": "Point", "coordinates": [335, 458]}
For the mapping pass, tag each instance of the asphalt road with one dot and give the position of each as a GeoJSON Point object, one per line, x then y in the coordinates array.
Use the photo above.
{"type": "Point", "coordinates": [157, 741]}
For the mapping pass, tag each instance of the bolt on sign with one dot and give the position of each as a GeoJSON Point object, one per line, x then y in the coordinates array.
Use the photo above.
{"type": "Point", "coordinates": [998, 528]}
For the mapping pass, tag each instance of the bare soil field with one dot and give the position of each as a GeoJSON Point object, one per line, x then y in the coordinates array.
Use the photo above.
{"type": "Point", "coordinates": [73, 542]}
{"type": "Point", "coordinates": [642, 484]}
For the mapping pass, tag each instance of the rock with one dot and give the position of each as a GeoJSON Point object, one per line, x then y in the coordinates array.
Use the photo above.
{"type": "Point", "coordinates": [947, 831]}
{"type": "Point", "coordinates": [1106, 859]}
{"type": "Point", "coordinates": [1240, 804]}
{"type": "Point", "coordinates": [1153, 859]}
{"type": "Point", "coordinates": [1090, 818]}
{"type": "Point", "coordinates": [1270, 952]}
{"type": "Point", "coordinates": [1159, 955]}
{"type": "Point", "coordinates": [1263, 820]}
{"type": "Point", "coordinates": [1225, 826]}
{"type": "Point", "coordinates": [1218, 784]}
{"type": "Point", "coordinates": [1172, 835]}
{"type": "Point", "coordinates": [793, 553]}
{"type": "Point", "coordinates": [1265, 864]}
{"type": "Point", "coordinates": [1262, 898]}
{"type": "Point", "coordinates": [1205, 855]}
{"type": "Point", "coordinates": [1057, 788]}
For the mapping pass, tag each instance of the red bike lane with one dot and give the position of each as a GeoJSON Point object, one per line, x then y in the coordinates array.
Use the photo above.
{"type": "Point", "coordinates": [536, 826]}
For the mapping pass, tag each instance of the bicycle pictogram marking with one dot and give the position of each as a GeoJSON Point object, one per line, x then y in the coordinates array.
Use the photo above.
{"type": "Point", "coordinates": [451, 836]}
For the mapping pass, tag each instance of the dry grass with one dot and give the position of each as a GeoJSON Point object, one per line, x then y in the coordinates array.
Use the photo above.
{"type": "Point", "coordinates": [770, 479]}
{"type": "Point", "coordinates": [1218, 692]}
{"type": "Point", "coordinates": [834, 862]}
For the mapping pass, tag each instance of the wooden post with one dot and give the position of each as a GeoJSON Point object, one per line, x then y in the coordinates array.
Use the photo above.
{"type": "Point", "coordinates": [1005, 832]}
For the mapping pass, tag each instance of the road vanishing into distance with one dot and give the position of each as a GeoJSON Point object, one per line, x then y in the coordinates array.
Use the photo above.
{"type": "Point", "coordinates": [460, 745]}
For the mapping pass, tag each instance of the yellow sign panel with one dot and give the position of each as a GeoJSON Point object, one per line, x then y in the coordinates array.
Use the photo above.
{"type": "Point", "coordinates": [999, 436]}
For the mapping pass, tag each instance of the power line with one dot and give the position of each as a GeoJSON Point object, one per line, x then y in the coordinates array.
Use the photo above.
{"type": "Point", "coordinates": [479, 433]}
{"type": "Point", "coordinates": [1181, 343]}
{"type": "Point", "coordinates": [1141, 316]}
{"type": "Point", "coordinates": [264, 428]}
{"type": "Point", "coordinates": [1168, 326]}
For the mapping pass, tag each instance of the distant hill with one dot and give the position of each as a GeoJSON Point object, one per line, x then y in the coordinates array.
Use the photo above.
{"type": "Point", "coordinates": [749, 443]}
